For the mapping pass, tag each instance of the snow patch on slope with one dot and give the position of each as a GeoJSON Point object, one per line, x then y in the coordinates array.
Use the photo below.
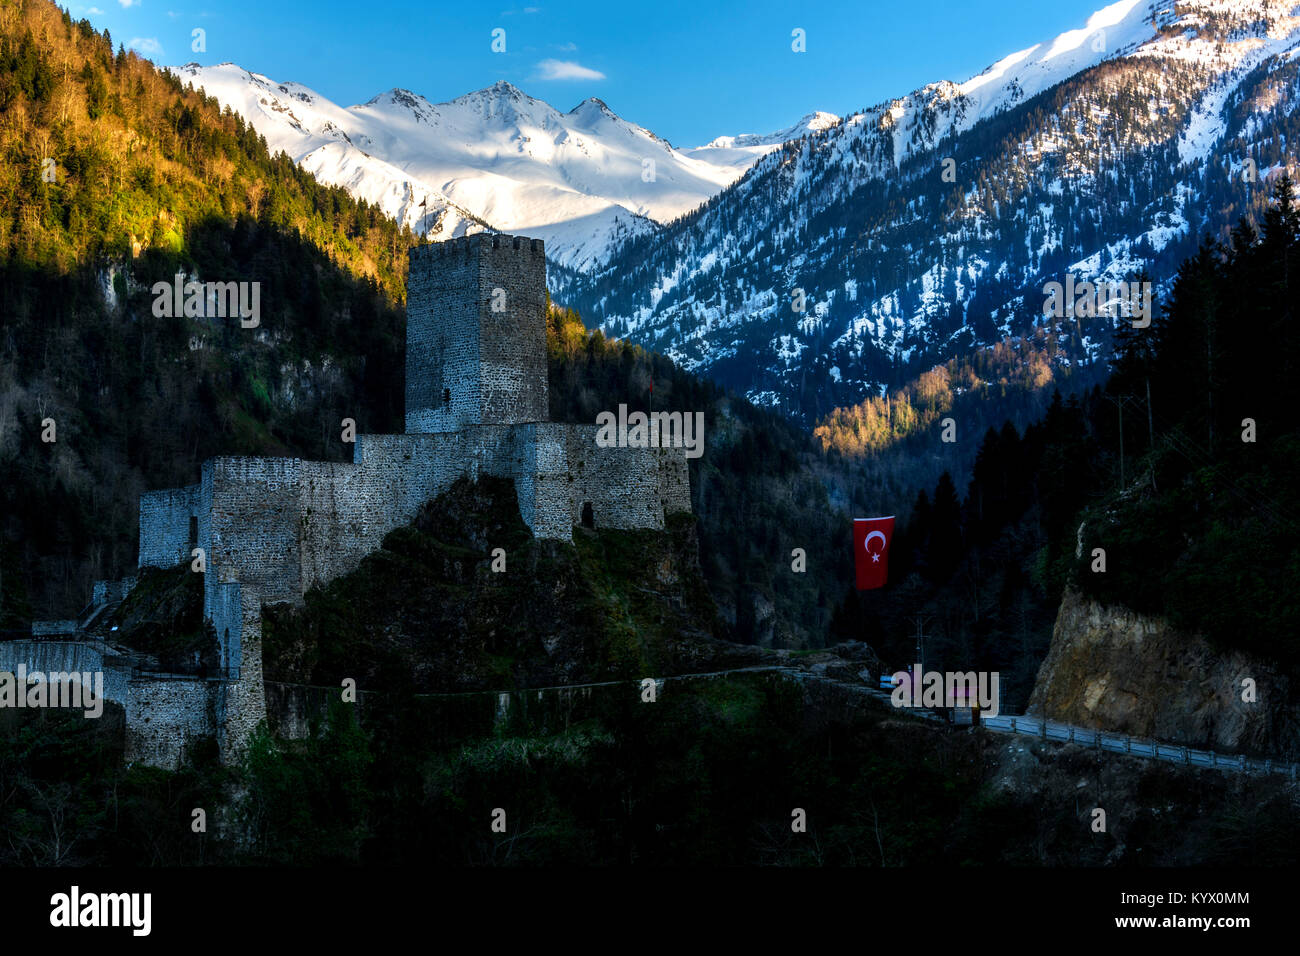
{"type": "Point", "coordinates": [584, 181]}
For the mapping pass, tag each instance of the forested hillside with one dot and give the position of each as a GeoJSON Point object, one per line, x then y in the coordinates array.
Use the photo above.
{"type": "Point", "coordinates": [1194, 502]}
{"type": "Point", "coordinates": [145, 180]}
{"type": "Point", "coordinates": [1205, 527]}
{"type": "Point", "coordinates": [151, 180]}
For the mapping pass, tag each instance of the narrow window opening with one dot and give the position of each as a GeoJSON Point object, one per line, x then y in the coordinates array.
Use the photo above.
{"type": "Point", "coordinates": [446, 396]}
{"type": "Point", "coordinates": [588, 516]}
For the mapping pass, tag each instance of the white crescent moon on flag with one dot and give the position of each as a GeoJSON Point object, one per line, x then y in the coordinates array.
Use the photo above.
{"type": "Point", "coordinates": [875, 534]}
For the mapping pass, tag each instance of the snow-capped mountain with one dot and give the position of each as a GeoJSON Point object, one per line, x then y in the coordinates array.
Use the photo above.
{"type": "Point", "coordinates": [584, 181]}
{"type": "Point", "coordinates": [743, 151]}
{"type": "Point", "coordinates": [925, 227]}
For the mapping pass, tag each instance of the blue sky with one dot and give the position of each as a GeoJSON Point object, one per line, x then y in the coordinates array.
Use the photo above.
{"type": "Point", "coordinates": [687, 71]}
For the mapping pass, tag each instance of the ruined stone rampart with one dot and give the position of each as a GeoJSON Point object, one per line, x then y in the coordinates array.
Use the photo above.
{"type": "Point", "coordinates": [269, 529]}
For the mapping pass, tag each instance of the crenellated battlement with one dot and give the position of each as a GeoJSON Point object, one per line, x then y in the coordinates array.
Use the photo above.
{"type": "Point", "coordinates": [467, 246]}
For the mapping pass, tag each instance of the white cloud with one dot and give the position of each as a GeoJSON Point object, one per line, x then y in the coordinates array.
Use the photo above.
{"type": "Point", "coordinates": [149, 46]}
{"type": "Point", "coordinates": [95, 12]}
{"type": "Point", "coordinates": [569, 47]}
{"type": "Point", "coordinates": [129, 3]}
{"type": "Point", "coordinates": [566, 70]}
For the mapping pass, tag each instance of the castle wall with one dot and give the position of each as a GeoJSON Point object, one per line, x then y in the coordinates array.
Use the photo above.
{"type": "Point", "coordinates": [65, 657]}
{"type": "Point", "coordinates": [110, 591]}
{"type": "Point", "coordinates": [240, 705]}
{"type": "Point", "coordinates": [222, 604]}
{"type": "Point", "coordinates": [164, 716]}
{"type": "Point", "coordinates": [476, 404]}
{"type": "Point", "coordinates": [674, 480]}
{"type": "Point", "coordinates": [54, 628]}
{"type": "Point", "coordinates": [626, 487]}
{"type": "Point", "coordinates": [443, 391]}
{"type": "Point", "coordinates": [280, 526]}
{"type": "Point", "coordinates": [476, 334]}
{"type": "Point", "coordinates": [165, 525]}
{"type": "Point", "coordinates": [251, 538]}
{"type": "Point", "coordinates": [345, 510]}
{"type": "Point", "coordinates": [255, 515]}
{"type": "Point", "coordinates": [512, 341]}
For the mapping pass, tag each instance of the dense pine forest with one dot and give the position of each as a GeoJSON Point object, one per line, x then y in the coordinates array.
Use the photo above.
{"type": "Point", "coordinates": [114, 177]}
{"type": "Point", "coordinates": [1194, 502]}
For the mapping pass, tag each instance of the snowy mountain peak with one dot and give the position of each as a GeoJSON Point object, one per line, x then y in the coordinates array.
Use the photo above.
{"type": "Point", "coordinates": [397, 97]}
{"type": "Point", "coordinates": [504, 105]}
{"type": "Point", "coordinates": [500, 91]}
{"type": "Point", "coordinates": [494, 158]}
{"type": "Point", "coordinates": [593, 104]}
{"type": "Point", "coordinates": [813, 122]}
{"type": "Point", "coordinates": [921, 233]}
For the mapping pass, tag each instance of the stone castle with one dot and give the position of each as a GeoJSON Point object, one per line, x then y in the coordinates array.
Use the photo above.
{"type": "Point", "coordinates": [271, 528]}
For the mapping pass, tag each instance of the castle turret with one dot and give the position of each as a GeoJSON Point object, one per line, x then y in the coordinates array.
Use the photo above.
{"type": "Point", "coordinates": [476, 334]}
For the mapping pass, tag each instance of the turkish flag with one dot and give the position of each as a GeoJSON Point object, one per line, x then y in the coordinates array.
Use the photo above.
{"type": "Point", "coordinates": [871, 538]}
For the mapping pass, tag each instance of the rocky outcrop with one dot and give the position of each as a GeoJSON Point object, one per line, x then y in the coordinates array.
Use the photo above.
{"type": "Point", "coordinates": [466, 599]}
{"type": "Point", "coordinates": [1114, 669]}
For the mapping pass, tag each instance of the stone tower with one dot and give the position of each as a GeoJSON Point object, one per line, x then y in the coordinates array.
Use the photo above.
{"type": "Point", "coordinates": [476, 334]}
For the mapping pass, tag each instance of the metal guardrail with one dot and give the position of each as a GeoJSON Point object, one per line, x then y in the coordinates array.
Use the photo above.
{"type": "Point", "coordinates": [1137, 746]}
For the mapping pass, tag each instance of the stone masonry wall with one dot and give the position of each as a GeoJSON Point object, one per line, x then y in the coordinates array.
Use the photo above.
{"type": "Point", "coordinates": [476, 404]}
{"type": "Point", "coordinates": [468, 363]}
{"type": "Point", "coordinates": [251, 539]}
{"type": "Point", "coordinates": [165, 525]}
{"type": "Point", "coordinates": [105, 591]}
{"type": "Point", "coordinates": [626, 487]}
{"type": "Point", "coordinates": [276, 527]}
{"type": "Point", "coordinates": [164, 716]}
{"type": "Point", "coordinates": [280, 526]}
{"type": "Point", "coordinates": [512, 342]}
{"type": "Point", "coordinates": [674, 480]}
{"type": "Point", "coordinates": [66, 657]}
{"type": "Point", "coordinates": [347, 509]}
{"type": "Point", "coordinates": [255, 519]}
{"type": "Point", "coordinates": [240, 705]}
{"type": "Point", "coordinates": [442, 379]}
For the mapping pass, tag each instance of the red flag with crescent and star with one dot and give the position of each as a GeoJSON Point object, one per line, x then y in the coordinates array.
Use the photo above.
{"type": "Point", "coordinates": [871, 538]}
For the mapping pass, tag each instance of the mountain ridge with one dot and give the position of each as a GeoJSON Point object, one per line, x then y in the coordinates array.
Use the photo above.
{"type": "Point", "coordinates": [927, 226]}
{"type": "Point", "coordinates": [494, 158]}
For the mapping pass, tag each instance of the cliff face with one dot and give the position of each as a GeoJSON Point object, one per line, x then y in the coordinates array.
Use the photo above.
{"type": "Point", "coordinates": [1114, 669]}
